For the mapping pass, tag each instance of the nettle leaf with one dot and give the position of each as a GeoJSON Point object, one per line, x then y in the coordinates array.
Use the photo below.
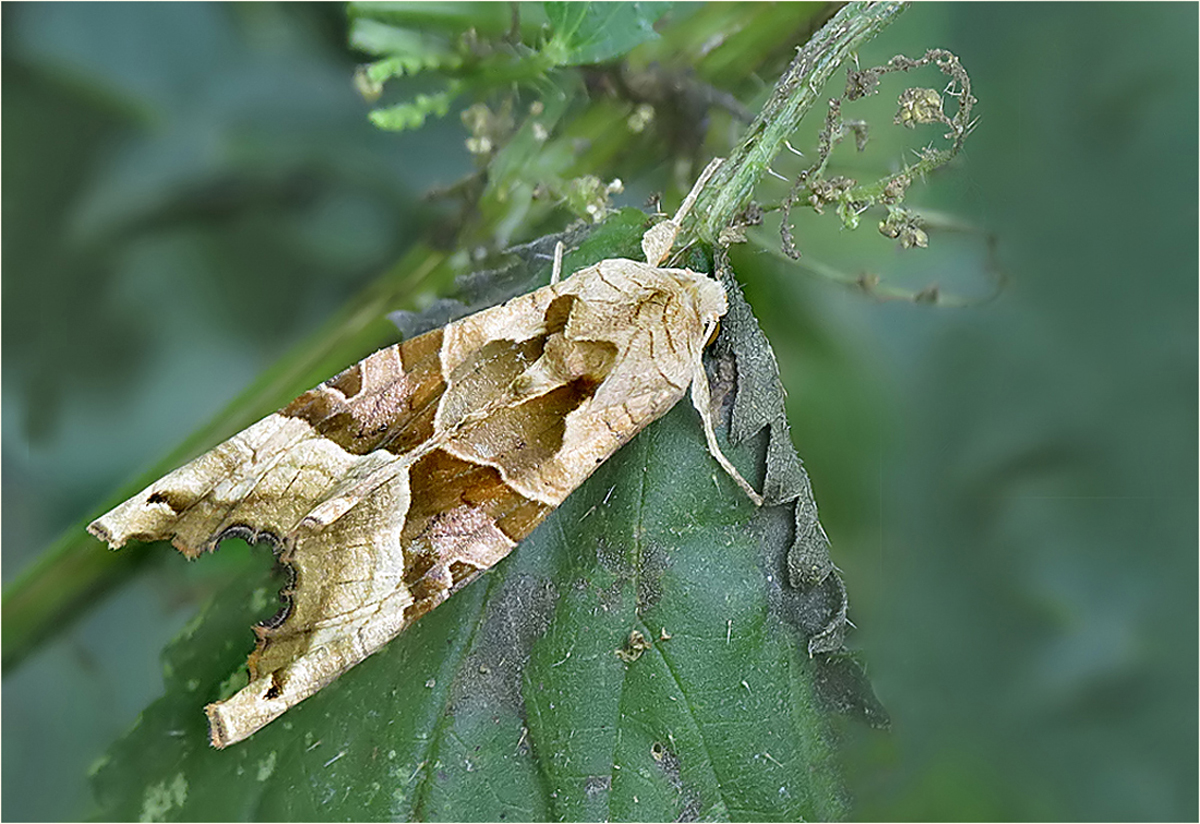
{"type": "Point", "coordinates": [629, 660]}
{"type": "Point", "coordinates": [595, 32]}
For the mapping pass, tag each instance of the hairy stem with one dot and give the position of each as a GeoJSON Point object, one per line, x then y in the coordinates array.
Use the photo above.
{"type": "Point", "coordinates": [797, 90]}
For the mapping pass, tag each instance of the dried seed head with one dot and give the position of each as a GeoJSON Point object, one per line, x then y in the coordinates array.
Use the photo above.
{"type": "Point", "coordinates": [920, 106]}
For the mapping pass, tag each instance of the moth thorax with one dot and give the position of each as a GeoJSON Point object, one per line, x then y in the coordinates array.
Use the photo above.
{"type": "Point", "coordinates": [571, 359]}
{"type": "Point", "coordinates": [708, 294]}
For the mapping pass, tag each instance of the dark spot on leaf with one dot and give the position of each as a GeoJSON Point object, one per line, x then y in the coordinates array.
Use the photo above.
{"type": "Point", "coordinates": [596, 784]}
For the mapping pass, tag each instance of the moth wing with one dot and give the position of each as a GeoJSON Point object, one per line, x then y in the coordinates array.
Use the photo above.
{"type": "Point", "coordinates": [390, 486]}
{"type": "Point", "coordinates": [326, 481]}
{"type": "Point", "coordinates": [362, 496]}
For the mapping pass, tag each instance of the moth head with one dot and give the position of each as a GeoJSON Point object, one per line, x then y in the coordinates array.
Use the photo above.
{"type": "Point", "coordinates": [708, 294]}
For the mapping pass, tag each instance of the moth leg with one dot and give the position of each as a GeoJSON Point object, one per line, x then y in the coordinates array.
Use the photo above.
{"type": "Point", "coordinates": [556, 272]}
{"type": "Point", "coordinates": [702, 400]}
{"type": "Point", "coordinates": [690, 200]}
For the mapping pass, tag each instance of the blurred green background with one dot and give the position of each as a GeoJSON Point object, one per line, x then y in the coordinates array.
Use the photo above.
{"type": "Point", "coordinates": [1010, 489]}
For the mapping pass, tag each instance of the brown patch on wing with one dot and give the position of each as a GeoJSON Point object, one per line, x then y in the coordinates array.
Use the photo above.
{"type": "Point", "coordinates": [426, 383]}
{"type": "Point", "coordinates": [441, 482]}
{"type": "Point", "coordinates": [388, 399]}
{"type": "Point", "coordinates": [456, 546]}
{"type": "Point", "coordinates": [558, 313]}
{"type": "Point", "coordinates": [486, 376]}
{"type": "Point", "coordinates": [521, 438]}
{"type": "Point", "coordinates": [463, 520]}
{"type": "Point", "coordinates": [349, 382]}
{"type": "Point", "coordinates": [520, 519]}
{"type": "Point", "coordinates": [422, 352]}
{"type": "Point", "coordinates": [177, 501]}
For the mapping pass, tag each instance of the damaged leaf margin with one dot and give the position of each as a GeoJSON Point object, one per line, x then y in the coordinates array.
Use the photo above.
{"type": "Point", "coordinates": [478, 709]}
{"type": "Point", "coordinates": [814, 601]}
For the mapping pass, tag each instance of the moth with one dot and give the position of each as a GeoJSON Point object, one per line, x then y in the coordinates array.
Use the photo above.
{"type": "Point", "coordinates": [397, 482]}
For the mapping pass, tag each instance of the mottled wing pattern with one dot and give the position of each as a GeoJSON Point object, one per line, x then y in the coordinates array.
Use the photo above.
{"type": "Point", "coordinates": [393, 484]}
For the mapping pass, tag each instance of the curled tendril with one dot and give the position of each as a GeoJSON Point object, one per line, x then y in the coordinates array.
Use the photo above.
{"type": "Point", "coordinates": [917, 106]}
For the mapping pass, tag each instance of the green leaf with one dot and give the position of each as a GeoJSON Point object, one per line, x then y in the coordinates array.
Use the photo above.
{"type": "Point", "coordinates": [511, 701]}
{"type": "Point", "coordinates": [595, 32]}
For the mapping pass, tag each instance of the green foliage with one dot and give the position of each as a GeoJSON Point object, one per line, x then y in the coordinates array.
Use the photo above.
{"type": "Point", "coordinates": [412, 115]}
{"type": "Point", "coordinates": [686, 721]}
{"type": "Point", "coordinates": [522, 696]}
{"type": "Point", "coordinates": [718, 721]}
{"type": "Point", "coordinates": [1009, 489]}
{"type": "Point", "coordinates": [595, 32]}
{"type": "Point", "coordinates": [470, 58]}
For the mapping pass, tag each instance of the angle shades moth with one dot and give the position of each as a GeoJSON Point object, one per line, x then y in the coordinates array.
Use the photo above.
{"type": "Point", "coordinates": [392, 485]}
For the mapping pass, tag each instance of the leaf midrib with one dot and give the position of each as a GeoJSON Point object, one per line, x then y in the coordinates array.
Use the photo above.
{"type": "Point", "coordinates": [639, 547]}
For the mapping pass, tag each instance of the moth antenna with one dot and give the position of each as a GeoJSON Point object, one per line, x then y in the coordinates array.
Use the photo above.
{"type": "Point", "coordinates": [690, 200]}
{"type": "Point", "coordinates": [702, 400]}
{"type": "Point", "coordinates": [676, 256]}
{"type": "Point", "coordinates": [556, 272]}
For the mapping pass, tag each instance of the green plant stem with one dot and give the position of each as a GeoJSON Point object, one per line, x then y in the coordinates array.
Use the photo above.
{"type": "Point", "coordinates": [797, 90]}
